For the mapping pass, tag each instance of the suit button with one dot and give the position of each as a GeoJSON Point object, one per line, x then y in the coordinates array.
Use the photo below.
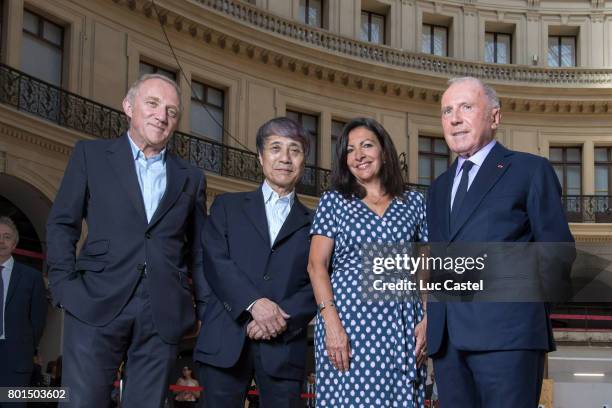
{"type": "Point", "coordinates": [273, 250]}
{"type": "Point", "coordinates": [266, 277]}
{"type": "Point", "coordinates": [148, 235]}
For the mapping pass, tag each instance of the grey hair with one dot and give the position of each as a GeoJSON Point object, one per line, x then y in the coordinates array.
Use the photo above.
{"type": "Point", "coordinates": [492, 97]}
{"type": "Point", "coordinates": [4, 220]}
{"type": "Point", "coordinates": [133, 91]}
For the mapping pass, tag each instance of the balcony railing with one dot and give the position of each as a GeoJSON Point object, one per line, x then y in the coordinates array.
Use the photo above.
{"type": "Point", "coordinates": [49, 102]}
{"type": "Point", "coordinates": [588, 208]}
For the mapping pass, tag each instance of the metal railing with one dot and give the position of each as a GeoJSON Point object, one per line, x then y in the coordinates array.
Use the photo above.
{"type": "Point", "coordinates": [588, 208]}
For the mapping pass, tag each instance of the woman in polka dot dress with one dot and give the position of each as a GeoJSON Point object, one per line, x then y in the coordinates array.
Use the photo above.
{"type": "Point", "coordinates": [368, 353]}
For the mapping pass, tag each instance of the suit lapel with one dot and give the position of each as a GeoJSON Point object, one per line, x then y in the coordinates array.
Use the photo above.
{"type": "Point", "coordinates": [176, 176]}
{"type": "Point", "coordinates": [14, 281]}
{"type": "Point", "coordinates": [297, 218]}
{"type": "Point", "coordinates": [120, 156]}
{"type": "Point", "coordinates": [494, 166]}
{"type": "Point", "coordinates": [255, 210]}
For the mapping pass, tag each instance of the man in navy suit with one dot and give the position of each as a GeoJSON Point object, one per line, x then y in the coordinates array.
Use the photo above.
{"type": "Point", "coordinates": [127, 293]}
{"type": "Point", "coordinates": [23, 311]}
{"type": "Point", "coordinates": [490, 354]}
{"type": "Point", "coordinates": [255, 257]}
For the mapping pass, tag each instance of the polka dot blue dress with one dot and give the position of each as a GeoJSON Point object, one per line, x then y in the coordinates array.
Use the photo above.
{"type": "Point", "coordinates": [383, 371]}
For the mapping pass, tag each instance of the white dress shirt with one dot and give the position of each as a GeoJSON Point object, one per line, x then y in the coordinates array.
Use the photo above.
{"type": "Point", "coordinates": [478, 158]}
{"type": "Point", "coordinates": [6, 279]}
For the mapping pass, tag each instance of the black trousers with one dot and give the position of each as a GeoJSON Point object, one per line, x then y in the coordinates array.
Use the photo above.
{"type": "Point", "coordinates": [10, 378]}
{"type": "Point", "coordinates": [93, 354]}
{"type": "Point", "coordinates": [227, 387]}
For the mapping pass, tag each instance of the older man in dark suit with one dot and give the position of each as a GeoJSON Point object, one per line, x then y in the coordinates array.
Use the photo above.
{"type": "Point", "coordinates": [491, 354]}
{"type": "Point", "coordinates": [23, 311]}
{"type": "Point", "coordinates": [127, 293]}
{"type": "Point", "coordinates": [256, 251]}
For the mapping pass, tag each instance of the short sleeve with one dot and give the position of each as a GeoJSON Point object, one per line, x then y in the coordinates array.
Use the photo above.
{"type": "Point", "coordinates": [324, 222]}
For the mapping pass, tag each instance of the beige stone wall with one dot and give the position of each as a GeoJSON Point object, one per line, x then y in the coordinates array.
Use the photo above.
{"type": "Point", "coordinates": [264, 74]}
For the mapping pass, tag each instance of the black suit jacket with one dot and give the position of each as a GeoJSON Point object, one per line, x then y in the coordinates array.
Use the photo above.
{"type": "Point", "coordinates": [515, 197]}
{"type": "Point", "coordinates": [241, 266]}
{"type": "Point", "coordinates": [24, 318]}
{"type": "Point", "coordinates": [100, 186]}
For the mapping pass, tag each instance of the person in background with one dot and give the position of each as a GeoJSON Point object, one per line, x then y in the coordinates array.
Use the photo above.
{"type": "Point", "coordinates": [23, 312]}
{"type": "Point", "coordinates": [186, 399]}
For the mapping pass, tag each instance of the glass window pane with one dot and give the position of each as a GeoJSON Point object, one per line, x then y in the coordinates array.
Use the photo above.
{"type": "Point", "coordinates": [559, 173]}
{"type": "Point", "coordinates": [424, 144]}
{"type": "Point", "coordinates": [365, 28]}
{"type": "Point", "coordinates": [489, 47]}
{"type": "Point", "coordinates": [215, 97]}
{"type": "Point", "coordinates": [568, 51]}
{"type": "Point", "coordinates": [312, 154]}
{"type": "Point", "coordinates": [166, 73]}
{"type": "Point", "coordinates": [573, 180]}
{"type": "Point", "coordinates": [309, 122]}
{"type": "Point", "coordinates": [555, 154]}
{"type": "Point", "coordinates": [440, 166]}
{"type": "Point", "coordinates": [426, 39]}
{"type": "Point", "coordinates": [203, 124]}
{"type": "Point", "coordinates": [378, 29]}
{"type": "Point", "coordinates": [41, 60]}
{"type": "Point", "coordinates": [30, 22]}
{"type": "Point", "coordinates": [574, 155]}
{"type": "Point", "coordinates": [440, 41]}
{"type": "Point", "coordinates": [503, 48]}
{"type": "Point", "coordinates": [302, 11]}
{"type": "Point", "coordinates": [553, 51]}
{"type": "Point", "coordinates": [53, 33]}
{"type": "Point", "coordinates": [337, 127]}
{"type": "Point", "coordinates": [440, 146]}
{"type": "Point", "coordinates": [314, 13]}
{"type": "Point", "coordinates": [601, 180]}
{"type": "Point", "coordinates": [146, 68]}
{"type": "Point", "coordinates": [197, 91]}
{"type": "Point", "coordinates": [424, 168]}
{"type": "Point", "coordinates": [601, 154]}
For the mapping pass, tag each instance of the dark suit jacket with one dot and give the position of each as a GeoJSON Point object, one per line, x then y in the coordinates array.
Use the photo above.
{"type": "Point", "coordinates": [515, 197]}
{"type": "Point", "coordinates": [241, 267]}
{"type": "Point", "coordinates": [100, 186]}
{"type": "Point", "coordinates": [24, 318]}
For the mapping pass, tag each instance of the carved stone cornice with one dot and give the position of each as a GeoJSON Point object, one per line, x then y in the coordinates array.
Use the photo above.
{"type": "Point", "coordinates": [34, 139]}
{"type": "Point", "coordinates": [597, 18]}
{"type": "Point", "coordinates": [409, 65]}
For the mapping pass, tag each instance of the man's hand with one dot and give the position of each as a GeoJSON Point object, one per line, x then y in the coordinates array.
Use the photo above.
{"type": "Point", "coordinates": [255, 332]}
{"type": "Point", "coordinates": [270, 317]}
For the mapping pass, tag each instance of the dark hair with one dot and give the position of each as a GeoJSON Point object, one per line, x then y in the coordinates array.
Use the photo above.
{"type": "Point", "coordinates": [285, 127]}
{"type": "Point", "coordinates": [390, 174]}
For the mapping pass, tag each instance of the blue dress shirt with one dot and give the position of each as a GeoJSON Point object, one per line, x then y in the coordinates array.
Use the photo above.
{"type": "Point", "coordinates": [151, 174]}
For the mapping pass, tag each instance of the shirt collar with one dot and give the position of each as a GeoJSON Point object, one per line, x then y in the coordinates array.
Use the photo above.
{"type": "Point", "coordinates": [477, 158]}
{"type": "Point", "coordinates": [137, 153]}
{"type": "Point", "coordinates": [8, 264]}
{"type": "Point", "coordinates": [270, 194]}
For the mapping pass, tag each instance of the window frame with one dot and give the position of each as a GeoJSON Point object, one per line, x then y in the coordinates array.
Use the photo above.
{"type": "Point", "coordinates": [564, 163]}
{"type": "Point", "coordinates": [384, 30]}
{"type": "Point", "coordinates": [39, 36]}
{"type": "Point", "coordinates": [559, 40]}
{"type": "Point", "coordinates": [306, 7]}
{"type": "Point", "coordinates": [606, 164]}
{"type": "Point", "coordinates": [432, 154]}
{"type": "Point", "coordinates": [193, 99]}
{"type": "Point", "coordinates": [432, 28]}
{"type": "Point", "coordinates": [510, 51]}
{"type": "Point", "coordinates": [157, 69]}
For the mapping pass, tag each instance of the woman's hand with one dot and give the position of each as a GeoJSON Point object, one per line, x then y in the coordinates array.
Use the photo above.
{"type": "Point", "coordinates": [336, 340]}
{"type": "Point", "coordinates": [420, 332]}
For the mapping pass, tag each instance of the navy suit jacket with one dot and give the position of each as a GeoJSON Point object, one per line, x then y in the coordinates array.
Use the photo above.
{"type": "Point", "coordinates": [100, 186]}
{"type": "Point", "coordinates": [241, 266]}
{"type": "Point", "coordinates": [515, 197]}
{"type": "Point", "coordinates": [24, 318]}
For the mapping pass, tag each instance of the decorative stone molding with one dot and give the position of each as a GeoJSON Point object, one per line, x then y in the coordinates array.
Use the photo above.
{"type": "Point", "coordinates": [34, 139]}
{"type": "Point", "coordinates": [598, 3]}
{"type": "Point", "coordinates": [533, 3]}
{"type": "Point", "coordinates": [564, 19]}
{"type": "Point", "coordinates": [533, 17]}
{"type": "Point", "coordinates": [2, 162]}
{"type": "Point", "coordinates": [242, 13]}
{"type": "Point", "coordinates": [469, 11]}
{"type": "Point", "coordinates": [597, 18]}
